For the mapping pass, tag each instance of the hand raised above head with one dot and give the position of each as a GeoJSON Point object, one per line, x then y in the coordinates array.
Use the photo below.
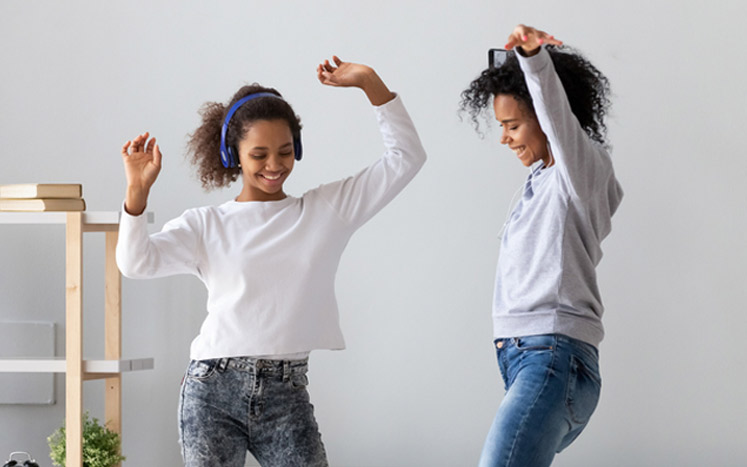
{"type": "Point", "coordinates": [348, 74]}
{"type": "Point", "coordinates": [529, 39]}
{"type": "Point", "coordinates": [344, 74]}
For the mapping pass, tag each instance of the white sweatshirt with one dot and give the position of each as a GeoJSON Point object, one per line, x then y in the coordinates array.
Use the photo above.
{"type": "Point", "coordinates": [270, 267]}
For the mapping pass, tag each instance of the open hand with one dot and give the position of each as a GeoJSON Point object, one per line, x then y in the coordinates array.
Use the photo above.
{"type": "Point", "coordinates": [529, 39]}
{"type": "Point", "coordinates": [347, 74]}
{"type": "Point", "coordinates": [142, 163]}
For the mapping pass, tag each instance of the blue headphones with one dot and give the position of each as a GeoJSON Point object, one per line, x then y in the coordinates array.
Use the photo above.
{"type": "Point", "coordinates": [228, 155]}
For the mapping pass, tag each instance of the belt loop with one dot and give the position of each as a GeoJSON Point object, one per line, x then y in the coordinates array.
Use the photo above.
{"type": "Point", "coordinates": [286, 371]}
{"type": "Point", "coordinates": [222, 364]}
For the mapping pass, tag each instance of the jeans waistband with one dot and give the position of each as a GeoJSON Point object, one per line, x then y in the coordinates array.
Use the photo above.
{"type": "Point", "coordinates": [284, 367]}
{"type": "Point", "coordinates": [579, 344]}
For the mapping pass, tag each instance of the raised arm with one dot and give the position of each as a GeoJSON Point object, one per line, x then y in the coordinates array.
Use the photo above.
{"type": "Point", "coordinates": [174, 250]}
{"type": "Point", "coordinates": [584, 163]}
{"type": "Point", "coordinates": [358, 198]}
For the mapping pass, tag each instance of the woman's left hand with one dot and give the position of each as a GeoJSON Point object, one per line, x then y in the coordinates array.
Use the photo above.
{"type": "Point", "coordinates": [347, 74]}
{"type": "Point", "coordinates": [529, 39]}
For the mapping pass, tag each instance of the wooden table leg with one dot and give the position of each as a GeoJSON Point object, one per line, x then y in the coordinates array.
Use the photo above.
{"type": "Point", "coordinates": [74, 339]}
{"type": "Point", "coordinates": [113, 334]}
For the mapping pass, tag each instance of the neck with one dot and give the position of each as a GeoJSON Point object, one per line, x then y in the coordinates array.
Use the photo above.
{"type": "Point", "coordinates": [248, 194]}
{"type": "Point", "coordinates": [549, 160]}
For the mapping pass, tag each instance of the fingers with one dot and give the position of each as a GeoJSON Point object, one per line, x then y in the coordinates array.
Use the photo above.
{"type": "Point", "coordinates": [140, 140]}
{"type": "Point", "coordinates": [517, 37]}
{"type": "Point", "coordinates": [328, 67]}
{"type": "Point", "coordinates": [139, 144]}
{"type": "Point", "coordinates": [324, 76]}
{"type": "Point", "coordinates": [553, 41]}
{"type": "Point", "coordinates": [156, 154]}
{"type": "Point", "coordinates": [150, 145]}
{"type": "Point", "coordinates": [529, 38]}
{"type": "Point", "coordinates": [325, 71]}
{"type": "Point", "coordinates": [329, 79]}
{"type": "Point", "coordinates": [545, 38]}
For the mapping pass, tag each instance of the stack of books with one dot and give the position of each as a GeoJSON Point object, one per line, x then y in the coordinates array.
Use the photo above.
{"type": "Point", "coordinates": [42, 197]}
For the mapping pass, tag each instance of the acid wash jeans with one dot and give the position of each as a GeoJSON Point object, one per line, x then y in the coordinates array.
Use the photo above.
{"type": "Point", "coordinates": [552, 388]}
{"type": "Point", "coordinates": [229, 406]}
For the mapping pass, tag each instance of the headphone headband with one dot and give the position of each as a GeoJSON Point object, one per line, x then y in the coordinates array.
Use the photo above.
{"type": "Point", "coordinates": [27, 463]}
{"type": "Point", "coordinates": [227, 154]}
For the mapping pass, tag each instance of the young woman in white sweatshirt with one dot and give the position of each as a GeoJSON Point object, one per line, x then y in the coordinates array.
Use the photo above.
{"type": "Point", "coordinates": [268, 260]}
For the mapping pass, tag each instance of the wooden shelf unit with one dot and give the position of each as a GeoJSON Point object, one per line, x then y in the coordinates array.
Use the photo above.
{"type": "Point", "coordinates": [75, 368]}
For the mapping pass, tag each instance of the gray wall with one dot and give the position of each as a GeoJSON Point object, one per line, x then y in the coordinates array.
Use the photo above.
{"type": "Point", "coordinates": [418, 384]}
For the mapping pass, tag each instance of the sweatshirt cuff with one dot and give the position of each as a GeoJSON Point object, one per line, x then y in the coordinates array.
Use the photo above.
{"type": "Point", "coordinates": [126, 217]}
{"type": "Point", "coordinates": [395, 105]}
{"type": "Point", "coordinates": [535, 63]}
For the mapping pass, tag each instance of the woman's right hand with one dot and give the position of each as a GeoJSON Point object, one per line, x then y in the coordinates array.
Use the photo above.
{"type": "Point", "coordinates": [142, 163]}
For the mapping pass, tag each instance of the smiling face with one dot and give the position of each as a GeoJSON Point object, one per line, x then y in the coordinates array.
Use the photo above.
{"type": "Point", "coordinates": [266, 156]}
{"type": "Point", "coordinates": [521, 130]}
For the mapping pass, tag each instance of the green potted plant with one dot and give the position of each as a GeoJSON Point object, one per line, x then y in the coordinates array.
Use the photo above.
{"type": "Point", "coordinates": [100, 445]}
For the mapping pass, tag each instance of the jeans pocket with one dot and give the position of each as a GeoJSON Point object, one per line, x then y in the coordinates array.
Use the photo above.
{"type": "Point", "coordinates": [202, 369]}
{"type": "Point", "coordinates": [583, 390]}
{"type": "Point", "coordinates": [299, 381]}
{"type": "Point", "coordinates": [544, 342]}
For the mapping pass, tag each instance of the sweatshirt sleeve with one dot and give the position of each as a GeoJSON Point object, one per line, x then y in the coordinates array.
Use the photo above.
{"type": "Point", "coordinates": [358, 198]}
{"type": "Point", "coordinates": [583, 162]}
{"type": "Point", "coordinates": [173, 250]}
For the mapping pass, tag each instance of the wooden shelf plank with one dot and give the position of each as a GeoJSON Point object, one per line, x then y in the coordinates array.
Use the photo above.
{"type": "Point", "coordinates": [90, 218]}
{"type": "Point", "coordinates": [57, 365]}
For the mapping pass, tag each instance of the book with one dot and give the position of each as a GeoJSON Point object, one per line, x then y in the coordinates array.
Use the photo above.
{"type": "Point", "coordinates": [42, 190]}
{"type": "Point", "coordinates": [43, 204]}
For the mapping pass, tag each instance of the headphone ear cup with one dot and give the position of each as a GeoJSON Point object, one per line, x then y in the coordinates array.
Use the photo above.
{"type": "Point", "coordinates": [30, 464]}
{"type": "Point", "coordinates": [225, 158]}
{"type": "Point", "coordinates": [232, 160]}
{"type": "Point", "coordinates": [297, 148]}
{"type": "Point", "coordinates": [10, 463]}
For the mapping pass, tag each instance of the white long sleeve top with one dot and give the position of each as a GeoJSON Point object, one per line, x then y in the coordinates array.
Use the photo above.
{"type": "Point", "coordinates": [269, 267]}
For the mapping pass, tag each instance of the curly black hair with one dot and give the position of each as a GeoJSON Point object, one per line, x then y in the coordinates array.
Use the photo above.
{"type": "Point", "coordinates": [204, 144]}
{"type": "Point", "coordinates": [587, 89]}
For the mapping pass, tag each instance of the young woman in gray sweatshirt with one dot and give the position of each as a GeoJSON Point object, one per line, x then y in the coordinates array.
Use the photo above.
{"type": "Point", "coordinates": [547, 309]}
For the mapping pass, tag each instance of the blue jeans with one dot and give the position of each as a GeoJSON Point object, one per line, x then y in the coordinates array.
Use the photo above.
{"type": "Point", "coordinates": [229, 406]}
{"type": "Point", "coordinates": [552, 388]}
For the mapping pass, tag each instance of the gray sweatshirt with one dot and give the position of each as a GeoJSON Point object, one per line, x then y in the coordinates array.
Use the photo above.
{"type": "Point", "coordinates": [546, 280]}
